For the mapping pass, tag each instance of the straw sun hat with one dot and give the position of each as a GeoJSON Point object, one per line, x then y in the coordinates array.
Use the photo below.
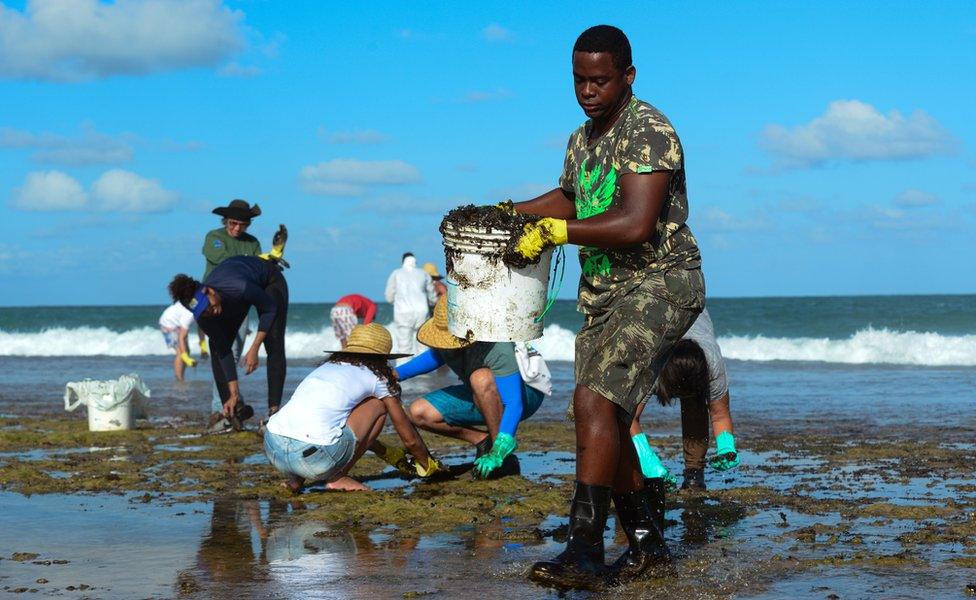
{"type": "Point", "coordinates": [434, 333]}
{"type": "Point", "coordinates": [371, 339]}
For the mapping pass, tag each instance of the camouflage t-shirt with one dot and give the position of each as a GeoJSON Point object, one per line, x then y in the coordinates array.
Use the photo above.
{"type": "Point", "coordinates": [641, 141]}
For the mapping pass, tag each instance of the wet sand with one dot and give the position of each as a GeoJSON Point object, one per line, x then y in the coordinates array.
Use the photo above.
{"type": "Point", "coordinates": [818, 508]}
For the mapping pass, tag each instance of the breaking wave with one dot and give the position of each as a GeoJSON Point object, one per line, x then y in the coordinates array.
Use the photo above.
{"type": "Point", "coordinates": [867, 346]}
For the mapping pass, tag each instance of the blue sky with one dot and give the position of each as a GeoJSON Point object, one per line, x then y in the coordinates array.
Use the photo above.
{"type": "Point", "coordinates": [829, 146]}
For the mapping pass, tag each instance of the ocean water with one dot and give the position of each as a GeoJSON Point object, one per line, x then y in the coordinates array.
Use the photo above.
{"type": "Point", "coordinates": [881, 357]}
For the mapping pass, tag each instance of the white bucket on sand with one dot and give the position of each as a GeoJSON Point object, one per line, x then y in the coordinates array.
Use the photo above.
{"type": "Point", "coordinates": [486, 298]}
{"type": "Point", "coordinates": [112, 405]}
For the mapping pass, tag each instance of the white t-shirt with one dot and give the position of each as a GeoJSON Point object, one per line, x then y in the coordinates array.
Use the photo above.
{"type": "Point", "coordinates": [176, 316]}
{"type": "Point", "coordinates": [317, 411]}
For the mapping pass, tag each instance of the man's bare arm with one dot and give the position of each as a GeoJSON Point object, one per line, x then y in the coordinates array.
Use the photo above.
{"type": "Point", "coordinates": [557, 203]}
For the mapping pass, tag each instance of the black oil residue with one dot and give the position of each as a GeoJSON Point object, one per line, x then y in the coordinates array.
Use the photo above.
{"type": "Point", "coordinates": [491, 219]}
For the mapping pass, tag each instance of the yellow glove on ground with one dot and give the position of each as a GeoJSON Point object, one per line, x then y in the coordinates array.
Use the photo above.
{"type": "Point", "coordinates": [188, 360]}
{"type": "Point", "coordinates": [432, 467]}
{"type": "Point", "coordinates": [544, 233]}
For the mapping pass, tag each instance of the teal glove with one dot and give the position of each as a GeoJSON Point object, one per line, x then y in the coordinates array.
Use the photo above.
{"type": "Point", "coordinates": [651, 465]}
{"type": "Point", "coordinates": [503, 445]}
{"type": "Point", "coordinates": [726, 456]}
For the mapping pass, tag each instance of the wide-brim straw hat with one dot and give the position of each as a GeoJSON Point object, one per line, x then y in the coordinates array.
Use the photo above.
{"type": "Point", "coordinates": [372, 339]}
{"type": "Point", "coordinates": [238, 210]}
{"type": "Point", "coordinates": [434, 333]}
{"type": "Point", "coordinates": [431, 270]}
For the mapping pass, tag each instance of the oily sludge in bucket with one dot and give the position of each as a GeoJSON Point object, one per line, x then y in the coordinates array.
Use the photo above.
{"type": "Point", "coordinates": [490, 297]}
{"type": "Point", "coordinates": [112, 405]}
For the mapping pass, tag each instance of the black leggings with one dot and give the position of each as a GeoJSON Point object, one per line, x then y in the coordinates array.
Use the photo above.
{"type": "Point", "coordinates": [223, 329]}
{"type": "Point", "coordinates": [274, 342]}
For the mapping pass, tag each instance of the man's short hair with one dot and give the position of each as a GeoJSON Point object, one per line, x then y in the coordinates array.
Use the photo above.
{"type": "Point", "coordinates": [606, 38]}
{"type": "Point", "coordinates": [405, 255]}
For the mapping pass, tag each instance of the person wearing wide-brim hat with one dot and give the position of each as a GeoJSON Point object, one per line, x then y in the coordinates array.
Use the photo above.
{"type": "Point", "coordinates": [439, 287]}
{"type": "Point", "coordinates": [338, 411]}
{"type": "Point", "coordinates": [491, 394]}
{"type": "Point", "coordinates": [230, 239]}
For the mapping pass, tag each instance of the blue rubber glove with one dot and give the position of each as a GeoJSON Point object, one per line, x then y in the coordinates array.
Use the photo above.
{"type": "Point", "coordinates": [726, 457]}
{"type": "Point", "coordinates": [503, 445]}
{"type": "Point", "coordinates": [651, 465]}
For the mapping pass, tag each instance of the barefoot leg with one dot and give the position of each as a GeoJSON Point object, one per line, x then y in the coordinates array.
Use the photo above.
{"type": "Point", "coordinates": [346, 484]}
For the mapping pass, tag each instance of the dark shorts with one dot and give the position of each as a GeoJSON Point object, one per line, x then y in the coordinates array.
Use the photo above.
{"type": "Point", "coordinates": [456, 404]}
{"type": "Point", "coordinates": [619, 353]}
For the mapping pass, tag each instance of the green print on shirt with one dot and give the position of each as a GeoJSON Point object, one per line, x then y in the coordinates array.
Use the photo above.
{"type": "Point", "coordinates": [594, 197]}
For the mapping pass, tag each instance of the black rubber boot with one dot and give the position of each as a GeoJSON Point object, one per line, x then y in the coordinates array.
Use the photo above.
{"type": "Point", "coordinates": [641, 516]}
{"type": "Point", "coordinates": [580, 566]}
{"type": "Point", "coordinates": [694, 479]}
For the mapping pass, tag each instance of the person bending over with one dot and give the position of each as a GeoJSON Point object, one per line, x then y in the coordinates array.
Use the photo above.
{"type": "Point", "coordinates": [346, 314]}
{"type": "Point", "coordinates": [491, 394]}
{"type": "Point", "coordinates": [220, 304]}
{"type": "Point", "coordinates": [622, 200]}
{"type": "Point", "coordinates": [338, 411]}
{"type": "Point", "coordinates": [695, 374]}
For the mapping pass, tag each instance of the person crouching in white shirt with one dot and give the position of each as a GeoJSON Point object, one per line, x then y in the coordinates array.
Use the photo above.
{"type": "Point", "coordinates": [338, 411]}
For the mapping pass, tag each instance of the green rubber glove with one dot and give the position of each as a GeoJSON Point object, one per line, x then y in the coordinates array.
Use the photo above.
{"type": "Point", "coordinates": [503, 445]}
{"type": "Point", "coordinates": [651, 466]}
{"type": "Point", "coordinates": [726, 456]}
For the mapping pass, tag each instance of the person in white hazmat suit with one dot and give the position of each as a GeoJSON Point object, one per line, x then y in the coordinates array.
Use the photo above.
{"type": "Point", "coordinates": [411, 291]}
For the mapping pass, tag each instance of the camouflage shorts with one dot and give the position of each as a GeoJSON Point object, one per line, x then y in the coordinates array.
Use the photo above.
{"type": "Point", "coordinates": [619, 353]}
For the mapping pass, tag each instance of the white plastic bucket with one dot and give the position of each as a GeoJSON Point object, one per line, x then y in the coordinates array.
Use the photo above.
{"type": "Point", "coordinates": [112, 405]}
{"type": "Point", "coordinates": [487, 299]}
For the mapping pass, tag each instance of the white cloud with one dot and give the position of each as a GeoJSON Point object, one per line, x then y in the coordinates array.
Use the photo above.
{"type": "Point", "coordinates": [496, 33]}
{"type": "Point", "coordinates": [361, 136]}
{"type": "Point", "coordinates": [49, 191]}
{"type": "Point", "coordinates": [124, 191]}
{"type": "Point", "coordinates": [351, 177]}
{"type": "Point", "coordinates": [90, 148]}
{"type": "Point", "coordinates": [238, 70]}
{"type": "Point", "coordinates": [913, 198]}
{"type": "Point", "coordinates": [72, 40]}
{"type": "Point", "coordinates": [856, 131]}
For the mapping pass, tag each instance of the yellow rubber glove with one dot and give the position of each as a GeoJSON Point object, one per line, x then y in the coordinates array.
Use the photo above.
{"type": "Point", "coordinates": [544, 233]}
{"type": "Point", "coordinates": [277, 246]}
{"type": "Point", "coordinates": [433, 466]}
{"type": "Point", "coordinates": [204, 351]}
{"type": "Point", "coordinates": [397, 458]}
{"type": "Point", "coordinates": [188, 360]}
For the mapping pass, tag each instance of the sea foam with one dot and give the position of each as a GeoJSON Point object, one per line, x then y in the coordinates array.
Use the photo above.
{"type": "Point", "coordinates": [867, 346]}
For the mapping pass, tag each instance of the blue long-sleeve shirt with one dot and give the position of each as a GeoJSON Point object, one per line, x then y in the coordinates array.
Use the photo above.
{"type": "Point", "coordinates": [463, 362]}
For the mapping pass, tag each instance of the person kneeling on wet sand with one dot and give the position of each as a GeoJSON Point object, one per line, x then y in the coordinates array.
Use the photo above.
{"type": "Point", "coordinates": [492, 393]}
{"type": "Point", "coordinates": [338, 411]}
{"type": "Point", "coordinates": [695, 373]}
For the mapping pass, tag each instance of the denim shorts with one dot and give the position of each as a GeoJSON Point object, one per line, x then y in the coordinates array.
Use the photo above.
{"type": "Point", "coordinates": [456, 404]}
{"type": "Point", "coordinates": [308, 461]}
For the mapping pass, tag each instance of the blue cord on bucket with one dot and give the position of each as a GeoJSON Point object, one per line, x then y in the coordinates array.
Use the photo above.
{"type": "Point", "coordinates": [560, 265]}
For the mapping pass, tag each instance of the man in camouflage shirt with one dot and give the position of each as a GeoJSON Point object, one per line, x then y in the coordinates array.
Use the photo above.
{"type": "Point", "coordinates": [622, 199]}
